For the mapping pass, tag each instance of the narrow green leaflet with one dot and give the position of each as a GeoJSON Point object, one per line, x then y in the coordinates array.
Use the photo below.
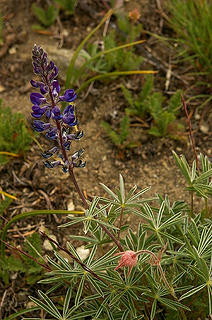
{"type": "Point", "coordinates": [110, 192]}
{"type": "Point", "coordinates": [48, 306]}
{"type": "Point", "coordinates": [153, 310]}
{"type": "Point", "coordinates": [192, 291]}
{"type": "Point", "coordinates": [67, 302]}
{"type": "Point", "coordinates": [122, 189]}
{"type": "Point", "coordinates": [79, 291]}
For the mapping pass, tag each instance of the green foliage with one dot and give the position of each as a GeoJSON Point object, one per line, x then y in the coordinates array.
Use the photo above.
{"type": "Point", "coordinates": [138, 105]}
{"type": "Point", "coordinates": [119, 59]}
{"type": "Point", "coordinates": [23, 264]}
{"type": "Point", "coordinates": [46, 17]}
{"type": "Point", "coordinates": [14, 135]}
{"type": "Point", "coordinates": [172, 278]}
{"type": "Point", "coordinates": [120, 137]}
{"type": "Point", "coordinates": [67, 5]}
{"type": "Point", "coordinates": [106, 63]}
{"type": "Point", "coordinates": [192, 22]}
{"type": "Point", "coordinates": [163, 117]}
{"type": "Point", "coordinates": [148, 103]}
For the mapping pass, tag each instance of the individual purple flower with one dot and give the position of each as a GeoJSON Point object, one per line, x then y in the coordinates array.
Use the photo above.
{"type": "Point", "coordinates": [53, 74]}
{"type": "Point", "coordinates": [68, 96]}
{"type": "Point", "coordinates": [37, 84]}
{"type": "Point", "coordinates": [40, 125]}
{"type": "Point", "coordinates": [56, 114]}
{"type": "Point", "coordinates": [55, 88]}
{"type": "Point", "coordinates": [69, 116]}
{"type": "Point", "coordinates": [79, 164]}
{"type": "Point", "coordinates": [51, 134]}
{"type": "Point", "coordinates": [37, 98]}
{"type": "Point", "coordinates": [37, 111]}
{"type": "Point", "coordinates": [48, 154]}
{"type": "Point", "coordinates": [50, 66]}
{"type": "Point", "coordinates": [75, 136]}
{"type": "Point", "coordinates": [53, 164]}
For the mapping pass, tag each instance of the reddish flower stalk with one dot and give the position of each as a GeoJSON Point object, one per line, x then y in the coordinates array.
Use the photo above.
{"type": "Point", "coordinates": [188, 118]}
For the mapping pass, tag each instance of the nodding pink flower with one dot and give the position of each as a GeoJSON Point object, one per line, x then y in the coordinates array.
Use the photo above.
{"type": "Point", "coordinates": [128, 259]}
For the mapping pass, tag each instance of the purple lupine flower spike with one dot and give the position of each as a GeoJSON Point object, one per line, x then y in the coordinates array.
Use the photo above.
{"type": "Point", "coordinates": [56, 125]}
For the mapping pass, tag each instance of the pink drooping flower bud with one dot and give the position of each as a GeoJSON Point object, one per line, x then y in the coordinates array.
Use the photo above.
{"type": "Point", "coordinates": [128, 259]}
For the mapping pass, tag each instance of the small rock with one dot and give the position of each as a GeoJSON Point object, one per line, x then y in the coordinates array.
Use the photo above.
{"type": "Point", "coordinates": [2, 88]}
{"type": "Point", "coordinates": [70, 205]}
{"type": "Point", "coordinates": [13, 50]}
{"type": "Point", "coordinates": [204, 128]}
{"type": "Point", "coordinates": [47, 244]}
{"type": "Point", "coordinates": [30, 304]}
{"type": "Point", "coordinates": [197, 116]}
{"type": "Point", "coordinates": [82, 252]}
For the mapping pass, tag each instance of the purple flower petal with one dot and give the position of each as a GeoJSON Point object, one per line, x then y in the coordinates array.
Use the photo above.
{"type": "Point", "coordinates": [37, 111]}
{"type": "Point", "coordinates": [37, 98]}
{"type": "Point", "coordinates": [40, 125]}
{"type": "Point", "coordinates": [56, 113]}
{"type": "Point", "coordinates": [68, 96]}
{"type": "Point", "coordinates": [69, 116]}
{"type": "Point", "coordinates": [52, 134]}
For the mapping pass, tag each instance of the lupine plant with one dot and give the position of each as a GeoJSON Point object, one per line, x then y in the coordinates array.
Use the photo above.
{"type": "Point", "coordinates": [159, 269]}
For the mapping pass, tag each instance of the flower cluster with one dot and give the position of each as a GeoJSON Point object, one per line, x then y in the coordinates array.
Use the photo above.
{"type": "Point", "coordinates": [47, 114]}
{"type": "Point", "coordinates": [129, 259]}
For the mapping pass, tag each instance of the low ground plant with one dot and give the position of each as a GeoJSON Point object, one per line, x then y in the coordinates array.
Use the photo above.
{"type": "Point", "coordinates": [68, 6]}
{"type": "Point", "coordinates": [163, 111]}
{"type": "Point", "coordinates": [119, 138]}
{"type": "Point", "coordinates": [15, 137]}
{"type": "Point", "coordinates": [46, 16]}
{"type": "Point", "coordinates": [160, 270]}
{"type": "Point", "coordinates": [111, 61]}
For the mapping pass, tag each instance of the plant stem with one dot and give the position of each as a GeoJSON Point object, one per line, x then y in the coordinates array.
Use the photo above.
{"type": "Point", "coordinates": [82, 197]}
{"type": "Point", "coordinates": [120, 223]}
{"type": "Point", "coordinates": [45, 266]}
{"type": "Point", "coordinates": [188, 117]}
{"type": "Point", "coordinates": [206, 208]}
{"type": "Point", "coordinates": [113, 74]}
{"type": "Point", "coordinates": [70, 164]}
{"type": "Point", "coordinates": [74, 258]}
{"type": "Point", "coordinates": [112, 237]}
{"type": "Point", "coordinates": [163, 276]}
{"type": "Point", "coordinates": [105, 229]}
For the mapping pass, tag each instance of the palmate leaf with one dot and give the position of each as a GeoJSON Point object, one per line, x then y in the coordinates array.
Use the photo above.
{"type": "Point", "coordinates": [47, 305]}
